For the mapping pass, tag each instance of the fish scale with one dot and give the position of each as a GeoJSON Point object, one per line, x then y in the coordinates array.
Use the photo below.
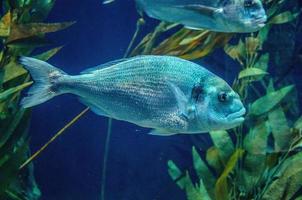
{"type": "Point", "coordinates": [214, 15]}
{"type": "Point", "coordinates": [151, 91]}
{"type": "Point", "coordinates": [139, 83]}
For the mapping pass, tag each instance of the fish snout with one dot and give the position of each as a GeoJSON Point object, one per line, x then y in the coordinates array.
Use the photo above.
{"type": "Point", "coordinates": [237, 112]}
{"type": "Point", "coordinates": [259, 19]}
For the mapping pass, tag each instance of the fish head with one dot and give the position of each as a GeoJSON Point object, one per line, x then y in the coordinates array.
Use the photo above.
{"type": "Point", "coordinates": [219, 107]}
{"type": "Point", "coordinates": [243, 15]}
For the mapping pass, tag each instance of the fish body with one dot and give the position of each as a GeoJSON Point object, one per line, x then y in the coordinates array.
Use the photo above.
{"type": "Point", "coordinates": [167, 94]}
{"type": "Point", "coordinates": [240, 16]}
{"type": "Point", "coordinates": [214, 15]}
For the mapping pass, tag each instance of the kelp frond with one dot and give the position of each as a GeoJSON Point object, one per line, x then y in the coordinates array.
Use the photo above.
{"type": "Point", "coordinates": [21, 30]}
{"type": "Point", "coordinates": [265, 161]}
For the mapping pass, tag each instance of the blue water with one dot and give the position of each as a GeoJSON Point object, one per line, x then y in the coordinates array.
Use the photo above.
{"type": "Point", "coordinates": [71, 168]}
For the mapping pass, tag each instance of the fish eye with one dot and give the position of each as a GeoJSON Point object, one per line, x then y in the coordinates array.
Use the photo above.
{"type": "Point", "coordinates": [249, 3]}
{"type": "Point", "coordinates": [223, 97]}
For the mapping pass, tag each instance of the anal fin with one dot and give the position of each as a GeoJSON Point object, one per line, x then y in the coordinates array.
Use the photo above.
{"type": "Point", "coordinates": [161, 132]}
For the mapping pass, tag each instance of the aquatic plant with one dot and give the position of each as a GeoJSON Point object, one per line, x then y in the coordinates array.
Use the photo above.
{"type": "Point", "coordinates": [184, 43]}
{"type": "Point", "coordinates": [262, 158]}
{"type": "Point", "coordinates": [244, 166]}
{"type": "Point", "coordinates": [21, 31]}
{"type": "Point", "coordinates": [241, 170]}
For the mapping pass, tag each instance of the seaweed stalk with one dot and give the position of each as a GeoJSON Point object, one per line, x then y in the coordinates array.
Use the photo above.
{"type": "Point", "coordinates": [60, 132]}
{"type": "Point", "coordinates": [106, 153]}
{"type": "Point", "coordinates": [158, 30]}
{"type": "Point", "coordinates": [140, 22]}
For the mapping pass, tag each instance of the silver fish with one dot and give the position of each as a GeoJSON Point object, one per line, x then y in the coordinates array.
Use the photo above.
{"type": "Point", "coordinates": [214, 15]}
{"type": "Point", "coordinates": [240, 16]}
{"type": "Point", "coordinates": [168, 94]}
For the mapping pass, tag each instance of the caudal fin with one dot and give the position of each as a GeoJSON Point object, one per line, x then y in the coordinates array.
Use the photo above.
{"type": "Point", "coordinates": [45, 78]}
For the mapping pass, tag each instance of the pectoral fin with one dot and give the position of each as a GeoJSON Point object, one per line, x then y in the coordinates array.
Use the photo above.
{"type": "Point", "coordinates": [161, 132]}
{"type": "Point", "coordinates": [202, 9]}
{"type": "Point", "coordinates": [179, 95]}
{"type": "Point", "coordinates": [187, 111]}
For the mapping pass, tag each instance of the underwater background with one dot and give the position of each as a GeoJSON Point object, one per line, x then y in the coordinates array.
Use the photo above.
{"type": "Point", "coordinates": [71, 167]}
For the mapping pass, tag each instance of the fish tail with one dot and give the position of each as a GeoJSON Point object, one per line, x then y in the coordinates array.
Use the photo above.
{"type": "Point", "coordinates": [46, 78]}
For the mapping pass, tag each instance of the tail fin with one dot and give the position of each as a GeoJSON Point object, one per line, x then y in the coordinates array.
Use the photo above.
{"type": "Point", "coordinates": [45, 78]}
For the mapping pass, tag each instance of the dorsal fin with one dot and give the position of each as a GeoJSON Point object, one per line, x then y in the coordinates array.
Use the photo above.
{"type": "Point", "coordinates": [109, 64]}
{"type": "Point", "coordinates": [102, 66]}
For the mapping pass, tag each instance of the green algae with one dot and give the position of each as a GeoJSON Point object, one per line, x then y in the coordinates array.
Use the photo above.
{"type": "Point", "coordinates": [21, 31]}
{"type": "Point", "coordinates": [255, 168]}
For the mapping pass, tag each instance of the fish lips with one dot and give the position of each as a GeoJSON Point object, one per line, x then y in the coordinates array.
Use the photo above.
{"type": "Point", "coordinates": [260, 22]}
{"type": "Point", "coordinates": [237, 117]}
{"type": "Point", "coordinates": [256, 23]}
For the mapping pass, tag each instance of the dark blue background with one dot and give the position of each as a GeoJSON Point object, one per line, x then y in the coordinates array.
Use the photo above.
{"type": "Point", "coordinates": [71, 167]}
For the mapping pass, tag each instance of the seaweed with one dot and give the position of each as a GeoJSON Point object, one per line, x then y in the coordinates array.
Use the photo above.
{"type": "Point", "coordinates": [184, 43]}
{"type": "Point", "coordinates": [258, 160]}
{"type": "Point", "coordinates": [262, 158]}
{"type": "Point", "coordinates": [22, 30]}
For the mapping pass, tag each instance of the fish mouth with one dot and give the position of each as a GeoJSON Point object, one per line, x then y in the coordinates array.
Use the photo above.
{"type": "Point", "coordinates": [237, 116]}
{"type": "Point", "coordinates": [256, 23]}
{"type": "Point", "coordinates": [260, 22]}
